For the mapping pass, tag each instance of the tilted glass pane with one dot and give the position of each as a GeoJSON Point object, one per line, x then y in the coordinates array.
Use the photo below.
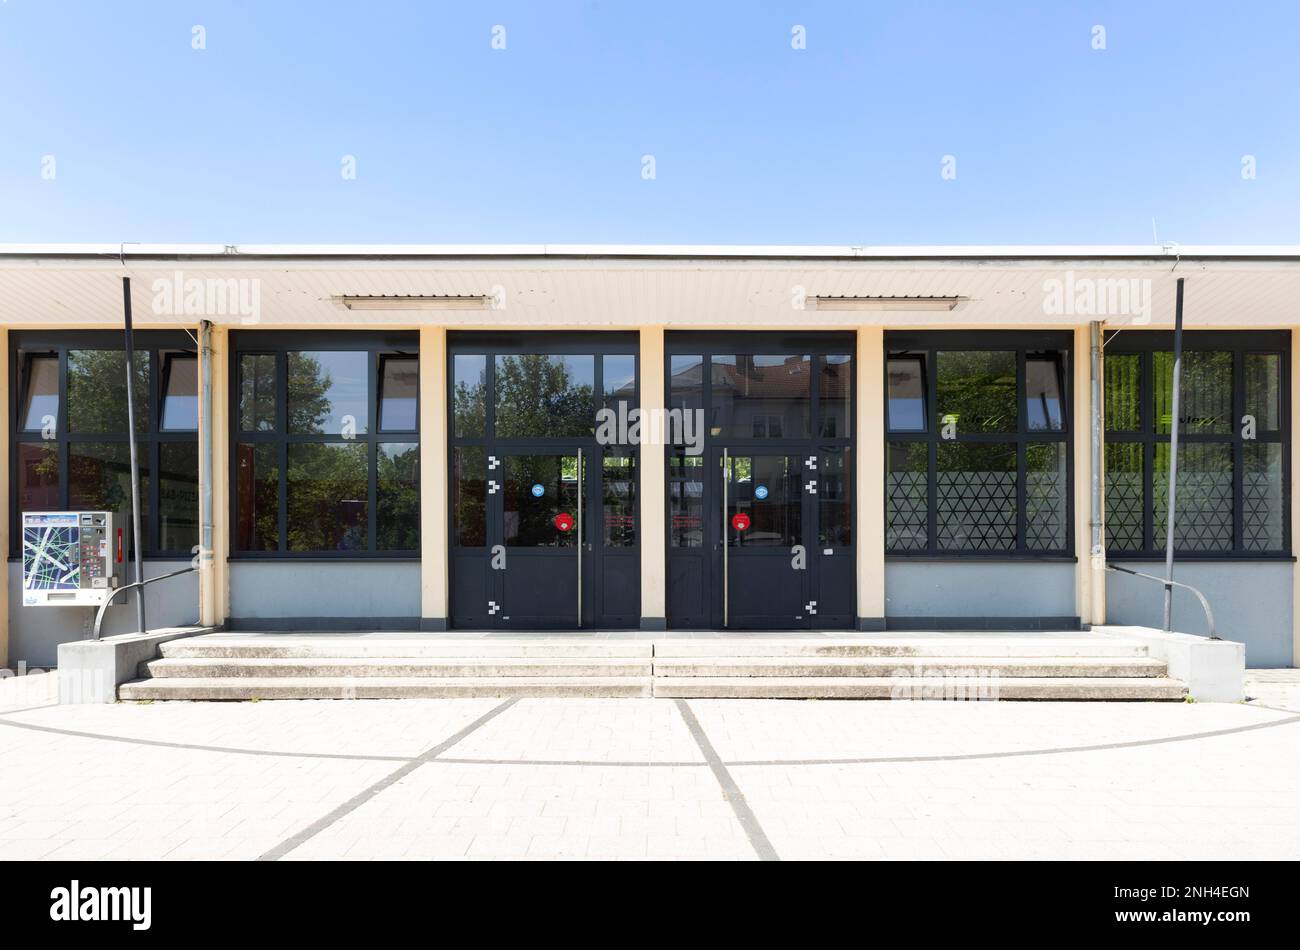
{"type": "Point", "coordinates": [1125, 491]}
{"type": "Point", "coordinates": [1263, 390]}
{"type": "Point", "coordinates": [835, 395]}
{"type": "Point", "coordinates": [977, 391]}
{"type": "Point", "coordinates": [1045, 496]}
{"type": "Point", "coordinates": [41, 405]}
{"type": "Point", "coordinates": [1203, 509]}
{"type": "Point", "coordinates": [1206, 400]}
{"type": "Point", "coordinates": [1045, 392]}
{"type": "Point", "coordinates": [769, 489]}
{"type": "Point", "coordinates": [180, 398]}
{"type": "Point", "coordinates": [469, 395]}
{"type": "Point", "coordinates": [328, 507]}
{"type": "Point", "coordinates": [257, 497]}
{"type": "Point", "coordinates": [328, 392]}
{"type": "Point", "coordinates": [397, 497]}
{"type": "Point", "coordinates": [97, 391]}
{"type": "Point", "coordinates": [1261, 497]}
{"type": "Point", "coordinates": [257, 392]}
{"type": "Point", "coordinates": [762, 397]}
{"type": "Point", "coordinates": [178, 496]}
{"type": "Point", "coordinates": [834, 500]}
{"type": "Point", "coordinates": [976, 500]}
{"type": "Point", "coordinates": [618, 492]}
{"type": "Point", "coordinates": [537, 490]}
{"type": "Point", "coordinates": [37, 477]}
{"type": "Point", "coordinates": [1123, 395]}
{"type": "Point", "coordinates": [906, 403]}
{"type": "Point", "coordinates": [399, 393]}
{"type": "Point", "coordinates": [469, 517]}
{"type": "Point", "coordinates": [907, 497]}
{"type": "Point", "coordinates": [99, 479]}
{"type": "Point", "coordinates": [686, 500]}
{"type": "Point", "coordinates": [545, 396]}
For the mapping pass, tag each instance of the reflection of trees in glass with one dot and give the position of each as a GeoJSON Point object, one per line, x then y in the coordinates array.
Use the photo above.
{"type": "Point", "coordinates": [1206, 399]}
{"type": "Point", "coordinates": [327, 496]}
{"type": "Point", "coordinates": [257, 392]}
{"type": "Point", "coordinates": [470, 519]}
{"type": "Point", "coordinates": [397, 521]}
{"type": "Point", "coordinates": [258, 505]}
{"type": "Point", "coordinates": [979, 388]}
{"type": "Point", "coordinates": [97, 390]}
{"type": "Point", "coordinates": [309, 406]}
{"type": "Point", "coordinates": [469, 395]}
{"type": "Point", "coordinates": [537, 395]}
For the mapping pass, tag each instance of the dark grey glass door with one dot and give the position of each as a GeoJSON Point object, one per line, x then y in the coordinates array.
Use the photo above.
{"type": "Point", "coordinates": [538, 514]}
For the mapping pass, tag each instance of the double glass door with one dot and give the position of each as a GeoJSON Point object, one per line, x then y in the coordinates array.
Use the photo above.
{"type": "Point", "coordinates": [762, 539]}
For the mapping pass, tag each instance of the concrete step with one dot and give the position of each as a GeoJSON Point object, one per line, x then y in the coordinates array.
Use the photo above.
{"type": "Point", "coordinates": [903, 687]}
{"type": "Point", "coordinates": [379, 687]}
{"type": "Point", "coordinates": [1015, 666]}
{"type": "Point", "coordinates": [917, 645]}
{"type": "Point", "coordinates": [392, 667]}
{"type": "Point", "coordinates": [290, 646]}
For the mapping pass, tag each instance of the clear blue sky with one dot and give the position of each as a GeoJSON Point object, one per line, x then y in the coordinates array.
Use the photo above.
{"type": "Point", "coordinates": [754, 142]}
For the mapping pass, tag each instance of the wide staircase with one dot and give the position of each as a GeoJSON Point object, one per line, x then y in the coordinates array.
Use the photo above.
{"type": "Point", "coordinates": [907, 666]}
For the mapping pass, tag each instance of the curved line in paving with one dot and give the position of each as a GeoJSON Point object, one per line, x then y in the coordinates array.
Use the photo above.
{"type": "Point", "coordinates": [865, 760]}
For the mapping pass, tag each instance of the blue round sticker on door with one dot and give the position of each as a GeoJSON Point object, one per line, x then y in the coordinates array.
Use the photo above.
{"type": "Point", "coordinates": [538, 490]}
{"type": "Point", "coordinates": [760, 492]}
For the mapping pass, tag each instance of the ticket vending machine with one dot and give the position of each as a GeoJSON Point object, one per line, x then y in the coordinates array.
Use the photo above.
{"type": "Point", "coordinates": [72, 558]}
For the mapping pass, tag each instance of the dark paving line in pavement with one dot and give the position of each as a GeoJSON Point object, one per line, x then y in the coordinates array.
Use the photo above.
{"type": "Point", "coordinates": [1017, 753]}
{"type": "Point", "coordinates": [191, 747]}
{"type": "Point", "coordinates": [366, 794]}
{"type": "Point", "coordinates": [758, 839]}
{"type": "Point", "coordinates": [587, 763]}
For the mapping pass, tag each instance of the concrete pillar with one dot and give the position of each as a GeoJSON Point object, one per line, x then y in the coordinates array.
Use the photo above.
{"type": "Point", "coordinates": [5, 412]}
{"type": "Point", "coordinates": [1295, 522]}
{"type": "Point", "coordinates": [214, 576]}
{"type": "Point", "coordinates": [870, 477]}
{"type": "Point", "coordinates": [653, 467]}
{"type": "Point", "coordinates": [434, 597]}
{"type": "Point", "coordinates": [1089, 573]}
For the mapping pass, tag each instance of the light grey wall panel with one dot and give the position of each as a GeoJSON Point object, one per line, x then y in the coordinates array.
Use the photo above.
{"type": "Point", "coordinates": [36, 632]}
{"type": "Point", "coordinates": [1251, 600]}
{"type": "Point", "coordinates": [369, 591]}
{"type": "Point", "coordinates": [978, 589]}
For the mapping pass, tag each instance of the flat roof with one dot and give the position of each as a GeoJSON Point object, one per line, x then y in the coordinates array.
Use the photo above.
{"type": "Point", "coordinates": [1261, 252]}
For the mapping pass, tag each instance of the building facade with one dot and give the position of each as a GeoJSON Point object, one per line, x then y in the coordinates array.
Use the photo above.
{"type": "Point", "coordinates": [591, 438]}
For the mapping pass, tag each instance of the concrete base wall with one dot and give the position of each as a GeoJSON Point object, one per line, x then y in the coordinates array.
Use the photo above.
{"type": "Point", "coordinates": [1252, 603]}
{"type": "Point", "coordinates": [978, 589]}
{"type": "Point", "coordinates": [351, 593]}
{"type": "Point", "coordinates": [36, 632]}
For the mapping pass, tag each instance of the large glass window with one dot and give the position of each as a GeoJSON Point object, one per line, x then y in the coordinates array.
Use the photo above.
{"type": "Point", "coordinates": [71, 443]}
{"type": "Point", "coordinates": [541, 395]}
{"type": "Point", "coordinates": [977, 454]}
{"type": "Point", "coordinates": [1232, 441]}
{"type": "Point", "coordinates": [318, 469]}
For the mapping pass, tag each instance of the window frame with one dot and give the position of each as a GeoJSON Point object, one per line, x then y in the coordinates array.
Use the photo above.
{"type": "Point", "coordinates": [29, 344]}
{"type": "Point", "coordinates": [278, 344]}
{"type": "Point", "coordinates": [1240, 343]}
{"type": "Point", "coordinates": [927, 345]}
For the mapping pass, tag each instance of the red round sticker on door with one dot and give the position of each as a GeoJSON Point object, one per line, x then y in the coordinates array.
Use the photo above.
{"type": "Point", "coordinates": [740, 522]}
{"type": "Point", "coordinates": [564, 522]}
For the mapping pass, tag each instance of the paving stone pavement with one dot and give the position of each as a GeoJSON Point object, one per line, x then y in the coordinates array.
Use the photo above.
{"type": "Point", "coordinates": [658, 779]}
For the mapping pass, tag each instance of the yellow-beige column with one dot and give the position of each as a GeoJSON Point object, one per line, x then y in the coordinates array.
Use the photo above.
{"type": "Point", "coordinates": [4, 487]}
{"type": "Point", "coordinates": [434, 598]}
{"type": "Point", "coordinates": [654, 487]}
{"type": "Point", "coordinates": [214, 575]}
{"type": "Point", "coordinates": [1295, 522]}
{"type": "Point", "coordinates": [1089, 570]}
{"type": "Point", "coordinates": [870, 478]}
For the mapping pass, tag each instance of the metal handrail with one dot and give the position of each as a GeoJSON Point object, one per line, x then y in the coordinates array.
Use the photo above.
{"type": "Point", "coordinates": [1209, 614]}
{"type": "Point", "coordinates": [99, 616]}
